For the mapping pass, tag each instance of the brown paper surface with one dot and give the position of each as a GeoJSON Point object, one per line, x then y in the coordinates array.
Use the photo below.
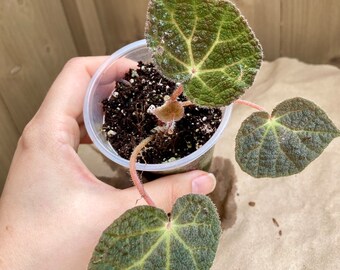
{"type": "Point", "coordinates": [295, 222]}
{"type": "Point", "coordinates": [290, 223]}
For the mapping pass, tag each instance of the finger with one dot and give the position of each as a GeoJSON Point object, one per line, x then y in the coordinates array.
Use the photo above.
{"type": "Point", "coordinates": [84, 137]}
{"type": "Point", "coordinates": [62, 108]}
{"type": "Point", "coordinates": [67, 93]}
{"type": "Point", "coordinates": [166, 190]}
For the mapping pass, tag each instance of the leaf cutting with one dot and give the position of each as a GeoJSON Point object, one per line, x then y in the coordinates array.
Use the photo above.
{"type": "Point", "coordinates": [145, 238]}
{"type": "Point", "coordinates": [205, 44]}
{"type": "Point", "coordinates": [286, 142]}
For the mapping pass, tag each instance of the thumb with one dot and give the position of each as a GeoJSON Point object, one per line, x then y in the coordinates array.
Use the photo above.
{"type": "Point", "coordinates": [166, 190]}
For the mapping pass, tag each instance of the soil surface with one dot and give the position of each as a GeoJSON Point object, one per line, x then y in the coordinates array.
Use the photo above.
{"type": "Point", "coordinates": [127, 121]}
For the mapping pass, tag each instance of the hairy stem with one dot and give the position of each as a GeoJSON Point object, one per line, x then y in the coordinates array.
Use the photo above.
{"type": "Point", "coordinates": [186, 103]}
{"type": "Point", "coordinates": [176, 93]}
{"type": "Point", "coordinates": [133, 172]}
{"type": "Point", "coordinates": [250, 104]}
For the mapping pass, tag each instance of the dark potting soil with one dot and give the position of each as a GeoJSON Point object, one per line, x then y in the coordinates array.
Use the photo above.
{"type": "Point", "coordinates": [127, 121]}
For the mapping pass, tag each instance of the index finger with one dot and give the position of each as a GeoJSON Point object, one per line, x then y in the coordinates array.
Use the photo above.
{"type": "Point", "coordinates": [67, 93]}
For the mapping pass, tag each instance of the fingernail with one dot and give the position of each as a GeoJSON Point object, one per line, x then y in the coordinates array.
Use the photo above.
{"type": "Point", "coordinates": [203, 184]}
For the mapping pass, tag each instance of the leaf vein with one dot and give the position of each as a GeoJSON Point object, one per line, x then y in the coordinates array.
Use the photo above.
{"type": "Point", "coordinates": [179, 238]}
{"type": "Point", "coordinates": [149, 252]}
{"type": "Point", "coordinates": [212, 48]}
{"type": "Point", "coordinates": [120, 236]}
{"type": "Point", "coordinates": [177, 60]}
{"type": "Point", "coordinates": [184, 37]}
{"type": "Point", "coordinates": [286, 154]}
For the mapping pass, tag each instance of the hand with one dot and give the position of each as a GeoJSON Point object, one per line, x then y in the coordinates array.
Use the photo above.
{"type": "Point", "coordinates": [53, 209]}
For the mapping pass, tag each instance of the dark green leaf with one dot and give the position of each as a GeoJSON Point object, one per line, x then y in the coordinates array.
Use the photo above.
{"type": "Point", "coordinates": [296, 134]}
{"type": "Point", "coordinates": [145, 238]}
{"type": "Point", "coordinates": [205, 43]}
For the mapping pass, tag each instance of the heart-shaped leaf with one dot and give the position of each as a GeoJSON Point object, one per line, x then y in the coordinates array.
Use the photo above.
{"type": "Point", "coordinates": [145, 238]}
{"type": "Point", "coordinates": [285, 143]}
{"type": "Point", "coordinates": [207, 44]}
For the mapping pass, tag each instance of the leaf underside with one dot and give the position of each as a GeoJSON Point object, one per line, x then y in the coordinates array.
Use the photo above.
{"type": "Point", "coordinates": [207, 45]}
{"type": "Point", "coordinates": [144, 238]}
{"type": "Point", "coordinates": [296, 134]}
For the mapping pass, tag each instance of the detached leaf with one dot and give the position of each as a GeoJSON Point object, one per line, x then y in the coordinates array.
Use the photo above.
{"type": "Point", "coordinates": [144, 238]}
{"type": "Point", "coordinates": [205, 43]}
{"type": "Point", "coordinates": [296, 134]}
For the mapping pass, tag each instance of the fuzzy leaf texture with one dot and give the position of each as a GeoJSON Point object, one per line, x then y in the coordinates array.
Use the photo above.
{"type": "Point", "coordinates": [144, 238]}
{"type": "Point", "coordinates": [296, 134]}
{"type": "Point", "coordinates": [205, 44]}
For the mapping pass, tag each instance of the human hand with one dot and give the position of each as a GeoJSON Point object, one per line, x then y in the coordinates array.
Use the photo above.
{"type": "Point", "coordinates": [53, 209]}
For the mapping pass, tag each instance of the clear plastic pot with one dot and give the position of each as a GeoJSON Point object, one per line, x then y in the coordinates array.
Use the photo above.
{"type": "Point", "coordinates": [101, 86]}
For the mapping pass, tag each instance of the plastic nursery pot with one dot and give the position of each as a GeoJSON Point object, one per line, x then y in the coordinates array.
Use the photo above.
{"type": "Point", "coordinates": [101, 87]}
